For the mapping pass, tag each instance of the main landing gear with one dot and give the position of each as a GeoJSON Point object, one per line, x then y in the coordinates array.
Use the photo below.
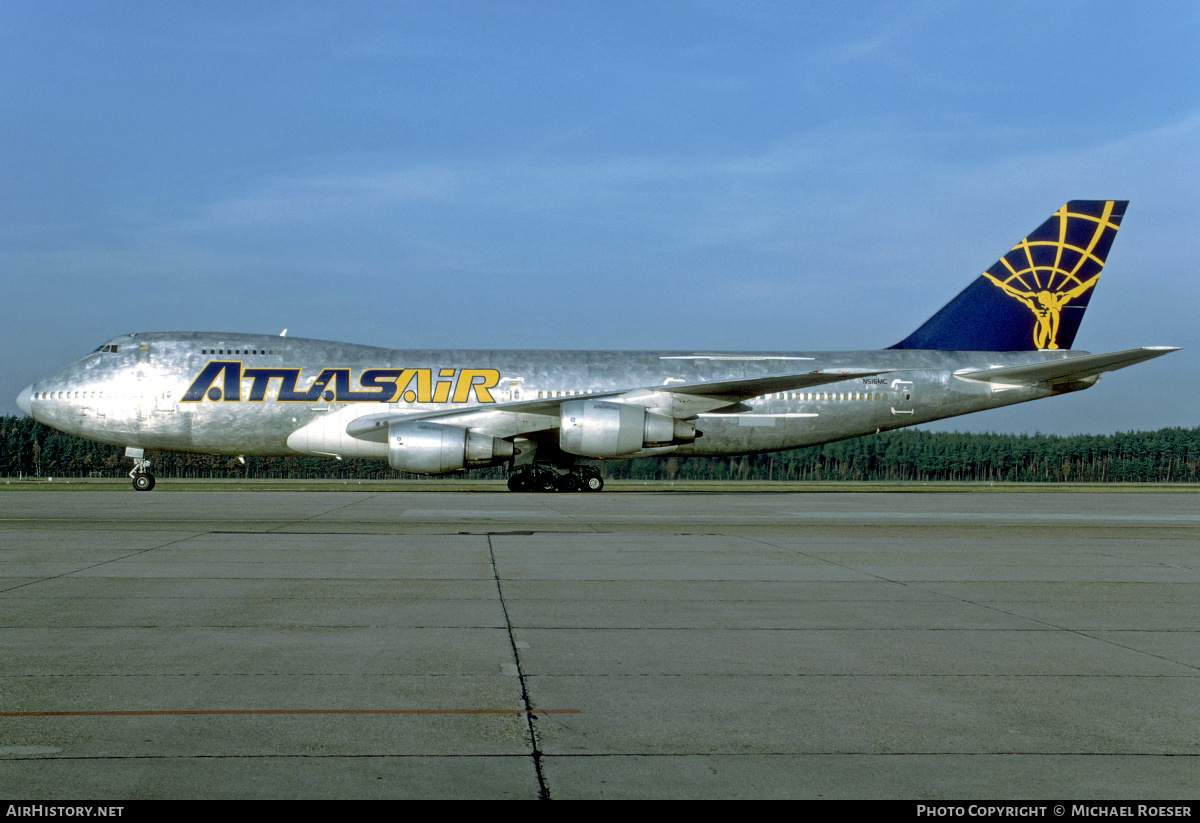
{"type": "Point", "coordinates": [545, 479]}
{"type": "Point", "coordinates": [143, 480]}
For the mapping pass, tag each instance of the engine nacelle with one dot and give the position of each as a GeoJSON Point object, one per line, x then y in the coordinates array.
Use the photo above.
{"type": "Point", "coordinates": [602, 428]}
{"type": "Point", "coordinates": [433, 448]}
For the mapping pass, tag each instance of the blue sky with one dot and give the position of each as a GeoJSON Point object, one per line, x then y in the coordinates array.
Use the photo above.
{"type": "Point", "coordinates": [609, 175]}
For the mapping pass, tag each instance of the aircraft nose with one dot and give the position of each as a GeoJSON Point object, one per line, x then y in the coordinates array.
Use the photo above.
{"type": "Point", "coordinates": [25, 400]}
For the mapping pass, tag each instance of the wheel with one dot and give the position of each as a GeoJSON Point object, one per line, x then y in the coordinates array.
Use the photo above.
{"type": "Point", "coordinates": [519, 482]}
{"type": "Point", "coordinates": [569, 483]}
{"type": "Point", "coordinates": [143, 482]}
{"type": "Point", "coordinates": [593, 483]}
{"type": "Point", "coordinates": [545, 482]}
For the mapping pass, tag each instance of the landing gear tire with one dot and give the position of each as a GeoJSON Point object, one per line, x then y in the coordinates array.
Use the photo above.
{"type": "Point", "coordinates": [545, 481]}
{"type": "Point", "coordinates": [569, 483]}
{"type": "Point", "coordinates": [143, 480]}
{"type": "Point", "coordinates": [519, 482]}
{"type": "Point", "coordinates": [592, 481]}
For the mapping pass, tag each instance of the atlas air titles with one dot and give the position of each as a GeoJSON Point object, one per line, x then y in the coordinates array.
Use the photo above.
{"type": "Point", "coordinates": [221, 381]}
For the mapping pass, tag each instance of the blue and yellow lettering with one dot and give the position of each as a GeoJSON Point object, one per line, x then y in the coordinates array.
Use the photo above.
{"type": "Point", "coordinates": [479, 380]}
{"type": "Point", "coordinates": [222, 380]}
{"type": "Point", "coordinates": [384, 380]}
{"type": "Point", "coordinates": [262, 381]}
{"type": "Point", "coordinates": [441, 390]}
{"type": "Point", "coordinates": [203, 387]}
{"type": "Point", "coordinates": [346, 395]}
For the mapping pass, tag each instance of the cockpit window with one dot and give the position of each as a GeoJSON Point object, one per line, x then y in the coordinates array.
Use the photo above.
{"type": "Point", "coordinates": [111, 347]}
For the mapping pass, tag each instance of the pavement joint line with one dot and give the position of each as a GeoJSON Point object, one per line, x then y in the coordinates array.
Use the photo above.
{"type": "Point", "coordinates": [643, 676]}
{"type": "Point", "coordinates": [602, 755]}
{"type": "Point", "coordinates": [102, 563]}
{"type": "Point", "coordinates": [833, 563]}
{"type": "Point", "coordinates": [1056, 627]}
{"type": "Point", "coordinates": [255, 712]}
{"type": "Point", "coordinates": [315, 515]}
{"type": "Point", "coordinates": [530, 716]}
{"type": "Point", "coordinates": [572, 518]}
{"type": "Point", "coordinates": [918, 587]}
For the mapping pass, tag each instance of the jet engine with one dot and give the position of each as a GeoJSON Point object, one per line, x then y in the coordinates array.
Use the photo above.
{"type": "Point", "coordinates": [433, 448]}
{"type": "Point", "coordinates": [602, 428]}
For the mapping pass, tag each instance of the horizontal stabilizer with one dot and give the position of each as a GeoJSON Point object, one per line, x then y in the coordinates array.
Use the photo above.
{"type": "Point", "coordinates": [1066, 370]}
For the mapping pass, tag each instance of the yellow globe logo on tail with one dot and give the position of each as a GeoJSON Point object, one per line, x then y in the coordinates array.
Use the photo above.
{"type": "Point", "coordinates": [1045, 273]}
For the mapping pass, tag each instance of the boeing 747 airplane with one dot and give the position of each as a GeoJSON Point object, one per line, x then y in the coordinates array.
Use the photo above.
{"type": "Point", "coordinates": [549, 415]}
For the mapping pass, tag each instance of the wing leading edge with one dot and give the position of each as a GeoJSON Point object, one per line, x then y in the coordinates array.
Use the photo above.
{"type": "Point", "coordinates": [677, 400]}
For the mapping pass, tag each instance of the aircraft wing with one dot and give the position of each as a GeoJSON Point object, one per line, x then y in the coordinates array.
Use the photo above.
{"type": "Point", "coordinates": [1067, 370]}
{"type": "Point", "coordinates": [674, 399]}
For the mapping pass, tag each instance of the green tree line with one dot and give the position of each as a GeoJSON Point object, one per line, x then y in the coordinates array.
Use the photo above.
{"type": "Point", "coordinates": [28, 448]}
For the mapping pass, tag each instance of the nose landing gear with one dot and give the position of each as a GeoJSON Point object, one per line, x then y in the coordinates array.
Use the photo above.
{"type": "Point", "coordinates": [143, 480]}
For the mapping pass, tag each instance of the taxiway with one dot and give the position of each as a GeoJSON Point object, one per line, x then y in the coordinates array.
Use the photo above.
{"type": "Point", "coordinates": [342, 645]}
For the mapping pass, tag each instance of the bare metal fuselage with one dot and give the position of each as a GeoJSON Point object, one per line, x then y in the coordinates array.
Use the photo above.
{"type": "Point", "coordinates": [296, 396]}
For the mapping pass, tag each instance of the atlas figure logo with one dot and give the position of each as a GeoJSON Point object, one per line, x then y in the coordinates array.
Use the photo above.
{"type": "Point", "coordinates": [221, 381]}
{"type": "Point", "coordinates": [1057, 264]}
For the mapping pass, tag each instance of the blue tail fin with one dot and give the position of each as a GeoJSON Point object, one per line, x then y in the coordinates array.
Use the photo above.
{"type": "Point", "coordinates": [1033, 297]}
